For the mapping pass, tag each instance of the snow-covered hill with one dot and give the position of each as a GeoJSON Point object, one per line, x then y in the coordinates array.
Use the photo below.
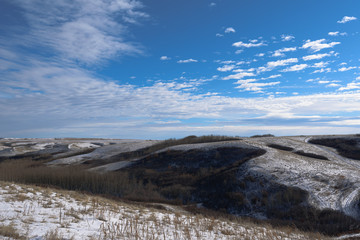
{"type": "Point", "coordinates": [29, 212]}
{"type": "Point", "coordinates": [282, 178]}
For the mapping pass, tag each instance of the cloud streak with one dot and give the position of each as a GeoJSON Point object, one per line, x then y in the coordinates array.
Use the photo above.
{"type": "Point", "coordinates": [346, 19]}
{"type": "Point", "coordinates": [190, 60]}
{"type": "Point", "coordinates": [318, 45]}
{"type": "Point", "coordinates": [87, 32]}
{"type": "Point", "coordinates": [230, 30]}
{"type": "Point", "coordinates": [251, 44]}
{"type": "Point", "coordinates": [317, 56]}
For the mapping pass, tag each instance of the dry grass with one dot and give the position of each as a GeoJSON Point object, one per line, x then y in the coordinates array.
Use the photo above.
{"type": "Point", "coordinates": [119, 220]}
{"type": "Point", "coordinates": [10, 232]}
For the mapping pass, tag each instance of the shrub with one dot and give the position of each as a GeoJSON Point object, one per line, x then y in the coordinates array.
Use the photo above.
{"type": "Point", "coordinates": [264, 135]}
{"type": "Point", "coordinates": [280, 147]}
{"type": "Point", "coordinates": [311, 155]}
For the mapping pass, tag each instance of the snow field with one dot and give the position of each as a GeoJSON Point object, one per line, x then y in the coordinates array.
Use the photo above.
{"type": "Point", "coordinates": [41, 213]}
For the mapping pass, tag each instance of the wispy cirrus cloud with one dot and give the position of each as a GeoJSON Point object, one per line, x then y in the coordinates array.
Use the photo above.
{"type": "Point", "coordinates": [87, 32]}
{"type": "Point", "coordinates": [67, 100]}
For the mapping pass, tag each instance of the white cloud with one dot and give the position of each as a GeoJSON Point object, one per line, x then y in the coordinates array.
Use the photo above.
{"type": "Point", "coordinates": [346, 19]}
{"type": "Point", "coordinates": [245, 70]}
{"type": "Point", "coordinates": [312, 80]}
{"type": "Point", "coordinates": [280, 52]}
{"type": "Point", "coordinates": [280, 63]}
{"type": "Point", "coordinates": [344, 69]}
{"type": "Point", "coordinates": [260, 55]}
{"type": "Point", "coordinates": [327, 70]}
{"type": "Point", "coordinates": [320, 64]}
{"type": "Point", "coordinates": [317, 56]}
{"type": "Point", "coordinates": [239, 75]}
{"type": "Point", "coordinates": [250, 85]}
{"type": "Point", "coordinates": [253, 43]}
{"type": "Point", "coordinates": [295, 68]}
{"type": "Point", "coordinates": [72, 100]}
{"type": "Point", "coordinates": [337, 33]}
{"type": "Point", "coordinates": [351, 86]}
{"type": "Point", "coordinates": [164, 58]}
{"type": "Point", "coordinates": [318, 45]}
{"type": "Point", "coordinates": [333, 85]}
{"type": "Point", "coordinates": [88, 32]}
{"type": "Point", "coordinates": [333, 33]}
{"type": "Point", "coordinates": [286, 38]}
{"type": "Point", "coordinates": [219, 35]}
{"type": "Point", "coordinates": [230, 30]}
{"type": "Point", "coordinates": [212, 4]}
{"type": "Point", "coordinates": [358, 78]}
{"type": "Point", "coordinates": [226, 68]}
{"type": "Point", "coordinates": [190, 60]}
{"type": "Point", "coordinates": [346, 122]}
{"type": "Point", "coordinates": [272, 77]}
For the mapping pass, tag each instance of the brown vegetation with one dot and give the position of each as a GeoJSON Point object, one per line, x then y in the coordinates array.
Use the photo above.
{"type": "Point", "coordinates": [347, 146]}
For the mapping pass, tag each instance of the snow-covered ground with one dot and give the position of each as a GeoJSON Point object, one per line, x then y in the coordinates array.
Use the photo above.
{"type": "Point", "coordinates": [28, 212]}
{"type": "Point", "coordinates": [106, 151]}
{"type": "Point", "coordinates": [104, 148]}
{"type": "Point", "coordinates": [331, 184]}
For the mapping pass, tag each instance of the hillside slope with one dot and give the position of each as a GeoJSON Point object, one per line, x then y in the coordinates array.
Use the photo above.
{"type": "Point", "coordinates": [28, 212]}
{"type": "Point", "coordinates": [288, 180]}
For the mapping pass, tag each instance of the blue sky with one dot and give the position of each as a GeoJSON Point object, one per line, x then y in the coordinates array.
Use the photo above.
{"type": "Point", "coordinates": [156, 69]}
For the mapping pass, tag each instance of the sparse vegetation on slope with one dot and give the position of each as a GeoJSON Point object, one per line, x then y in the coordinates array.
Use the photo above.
{"type": "Point", "coordinates": [281, 147]}
{"type": "Point", "coordinates": [192, 139]}
{"type": "Point", "coordinates": [346, 146]}
{"type": "Point", "coordinates": [299, 152]}
{"type": "Point", "coordinates": [53, 214]}
{"type": "Point", "coordinates": [311, 155]}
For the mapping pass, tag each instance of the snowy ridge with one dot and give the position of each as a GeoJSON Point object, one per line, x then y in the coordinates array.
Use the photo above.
{"type": "Point", "coordinates": [332, 184]}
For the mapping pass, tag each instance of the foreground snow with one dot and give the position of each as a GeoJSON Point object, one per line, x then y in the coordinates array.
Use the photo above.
{"type": "Point", "coordinates": [38, 213]}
